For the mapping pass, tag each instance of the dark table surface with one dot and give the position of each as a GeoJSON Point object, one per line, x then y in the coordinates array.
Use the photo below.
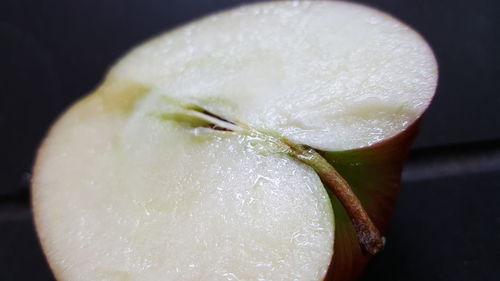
{"type": "Point", "coordinates": [447, 222]}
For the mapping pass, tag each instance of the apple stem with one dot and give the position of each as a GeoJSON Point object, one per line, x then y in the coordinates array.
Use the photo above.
{"type": "Point", "coordinates": [368, 235]}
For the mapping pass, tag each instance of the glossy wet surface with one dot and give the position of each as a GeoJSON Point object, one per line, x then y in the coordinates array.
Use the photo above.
{"type": "Point", "coordinates": [447, 223]}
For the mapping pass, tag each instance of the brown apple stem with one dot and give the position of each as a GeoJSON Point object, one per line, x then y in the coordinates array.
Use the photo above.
{"type": "Point", "coordinates": [368, 235]}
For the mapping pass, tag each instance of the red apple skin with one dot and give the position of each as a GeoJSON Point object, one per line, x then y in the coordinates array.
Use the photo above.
{"type": "Point", "coordinates": [374, 173]}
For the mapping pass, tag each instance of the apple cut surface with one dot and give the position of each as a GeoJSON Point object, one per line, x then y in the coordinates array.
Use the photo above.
{"type": "Point", "coordinates": [137, 199]}
{"type": "Point", "coordinates": [174, 168]}
{"type": "Point", "coordinates": [332, 75]}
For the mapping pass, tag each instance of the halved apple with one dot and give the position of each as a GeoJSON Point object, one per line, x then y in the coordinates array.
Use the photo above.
{"type": "Point", "coordinates": [207, 152]}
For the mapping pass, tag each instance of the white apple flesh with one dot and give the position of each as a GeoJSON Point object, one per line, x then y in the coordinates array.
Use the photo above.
{"type": "Point", "coordinates": [130, 183]}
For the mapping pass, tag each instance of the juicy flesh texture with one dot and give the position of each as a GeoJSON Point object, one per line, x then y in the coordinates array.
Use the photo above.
{"type": "Point", "coordinates": [120, 193]}
{"type": "Point", "coordinates": [331, 75]}
{"type": "Point", "coordinates": [134, 198]}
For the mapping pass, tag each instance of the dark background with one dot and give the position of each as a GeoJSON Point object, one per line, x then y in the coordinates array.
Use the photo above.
{"type": "Point", "coordinates": [447, 222]}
